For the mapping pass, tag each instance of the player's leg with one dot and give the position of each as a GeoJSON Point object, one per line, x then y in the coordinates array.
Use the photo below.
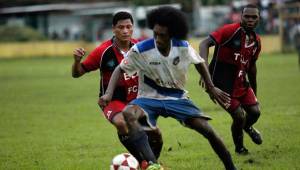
{"type": "Point", "coordinates": [155, 140]}
{"type": "Point", "coordinates": [119, 123]}
{"type": "Point", "coordinates": [238, 121]}
{"type": "Point", "coordinates": [121, 126]}
{"type": "Point", "coordinates": [137, 138]}
{"type": "Point", "coordinates": [187, 113]}
{"type": "Point", "coordinates": [113, 113]}
{"type": "Point", "coordinates": [251, 106]}
{"type": "Point", "coordinates": [253, 114]}
{"type": "Point", "coordinates": [154, 135]}
{"type": "Point", "coordinates": [201, 126]}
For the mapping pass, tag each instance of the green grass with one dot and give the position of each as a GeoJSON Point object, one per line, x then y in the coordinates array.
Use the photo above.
{"type": "Point", "coordinates": [49, 120]}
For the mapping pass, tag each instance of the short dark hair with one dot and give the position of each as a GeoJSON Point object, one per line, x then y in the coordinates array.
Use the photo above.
{"type": "Point", "coordinates": [251, 6]}
{"type": "Point", "coordinates": [122, 15]}
{"type": "Point", "coordinates": [170, 17]}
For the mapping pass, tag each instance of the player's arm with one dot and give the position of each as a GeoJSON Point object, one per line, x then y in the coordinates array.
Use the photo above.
{"type": "Point", "coordinates": [114, 79]}
{"type": "Point", "coordinates": [77, 69]}
{"type": "Point", "coordinates": [215, 93]}
{"type": "Point", "coordinates": [204, 48]}
{"type": "Point", "coordinates": [252, 77]}
{"type": "Point", "coordinates": [204, 51]}
{"type": "Point", "coordinates": [252, 72]}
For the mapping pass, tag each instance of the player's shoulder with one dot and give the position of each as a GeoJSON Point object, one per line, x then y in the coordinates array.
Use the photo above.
{"type": "Point", "coordinates": [145, 45]}
{"type": "Point", "coordinates": [231, 28]}
{"type": "Point", "coordinates": [134, 41]}
{"type": "Point", "coordinates": [104, 45]}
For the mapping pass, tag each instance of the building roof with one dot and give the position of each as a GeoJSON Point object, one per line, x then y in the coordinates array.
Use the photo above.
{"type": "Point", "coordinates": [81, 8]}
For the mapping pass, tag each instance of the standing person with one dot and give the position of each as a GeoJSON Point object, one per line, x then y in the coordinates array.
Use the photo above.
{"type": "Point", "coordinates": [295, 37]}
{"type": "Point", "coordinates": [237, 48]}
{"type": "Point", "coordinates": [106, 57]}
{"type": "Point", "coordinates": [162, 65]}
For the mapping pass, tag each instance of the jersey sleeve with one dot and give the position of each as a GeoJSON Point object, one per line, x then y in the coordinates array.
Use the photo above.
{"type": "Point", "coordinates": [222, 34]}
{"type": "Point", "coordinates": [131, 62]}
{"type": "Point", "coordinates": [92, 61]}
{"type": "Point", "coordinates": [194, 56]}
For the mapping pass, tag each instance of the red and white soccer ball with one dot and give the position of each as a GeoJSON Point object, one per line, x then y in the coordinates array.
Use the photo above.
{"type": "Point", "coordinates": [124, 161]}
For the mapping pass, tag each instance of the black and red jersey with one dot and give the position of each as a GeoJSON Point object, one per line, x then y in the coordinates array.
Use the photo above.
{"type": "Point", "coordinates": [235, 51]}
{"type": "Point", "coordinates": [106, 57]}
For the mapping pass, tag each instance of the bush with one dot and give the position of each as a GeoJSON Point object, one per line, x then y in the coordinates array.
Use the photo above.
{"type": "Point", "coordinates": [17, 33]}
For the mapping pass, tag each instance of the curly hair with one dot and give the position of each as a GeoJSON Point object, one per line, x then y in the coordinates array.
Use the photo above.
{"type": "Point", "coordinates": [172, 18]}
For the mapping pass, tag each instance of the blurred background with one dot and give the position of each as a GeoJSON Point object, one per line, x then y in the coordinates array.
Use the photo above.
{"type": "Point", "coordinates": [55, 27]}
{"type": "Point", "coordinates": [48, 120]}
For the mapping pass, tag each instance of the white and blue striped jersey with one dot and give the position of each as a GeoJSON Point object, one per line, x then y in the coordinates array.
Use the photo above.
{"type": "Point", "coordinates": [160, 77]}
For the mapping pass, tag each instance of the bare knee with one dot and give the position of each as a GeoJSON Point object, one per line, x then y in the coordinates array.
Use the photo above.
{"type": "Point", "coordinates": [131, 115]}
{"type": "Point", "coordinates": [253, 111]}
{"type": "Point", "coordinates": [238, 116]}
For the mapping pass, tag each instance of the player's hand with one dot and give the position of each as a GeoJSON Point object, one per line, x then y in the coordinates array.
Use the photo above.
{"type": "Point", "coordinates": [219, 96]}
{"type": "Point", "coordinates": [104, 100]}
{"type": "Point", "coordinates": [202, 83]}
{"type": "Point", "coordinates": [78, 53]}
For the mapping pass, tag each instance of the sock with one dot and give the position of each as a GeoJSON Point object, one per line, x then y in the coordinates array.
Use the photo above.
{"type": "Point", "coordinates": [155, 141]}
{"type": "Point", "coordinates": [138, 145]}
{"type": "Point", "coordinates": [131, 149]}
{"type": "Point", "coordinates": [237, 135]}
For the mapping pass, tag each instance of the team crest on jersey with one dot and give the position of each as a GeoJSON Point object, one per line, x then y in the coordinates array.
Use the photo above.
{"type": "Point", "coordinates": [176, 60]}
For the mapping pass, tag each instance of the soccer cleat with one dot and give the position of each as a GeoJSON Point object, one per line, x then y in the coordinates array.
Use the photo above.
{"type": "Point", "coordinates": [241, 151]}
{"type": "Point", "coordinates": [255, 135]}
{"type": "Point", "coordinates": [155, 167]}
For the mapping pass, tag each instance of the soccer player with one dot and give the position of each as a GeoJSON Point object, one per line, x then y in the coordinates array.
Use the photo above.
{"type": "Point", "coordinates": [106, 57]}
{"type": "Point", "coordinates": [295, 37]}
{"type": "Point", "coordinates": [237, 48]}
{"type": "Point", "coordinates": [162, 65]}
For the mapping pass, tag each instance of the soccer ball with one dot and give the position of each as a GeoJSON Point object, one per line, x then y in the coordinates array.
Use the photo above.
{"type": "Point", "coordinates": [124, 161]}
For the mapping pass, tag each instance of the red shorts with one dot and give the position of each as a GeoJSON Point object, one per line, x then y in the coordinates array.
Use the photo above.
{"type": "Point", "coordinates": [114, 107]}
{"type": "Point", "coordinates": [248, 98]}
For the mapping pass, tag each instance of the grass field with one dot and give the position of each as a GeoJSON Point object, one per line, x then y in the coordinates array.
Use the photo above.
{"type": "Point", "coordinates": [49, 120]}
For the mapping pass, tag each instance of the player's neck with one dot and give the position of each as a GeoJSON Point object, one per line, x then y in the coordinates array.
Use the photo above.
{"type": "Point", "coordinates": [248, 31]}
{"type": "Point", "coordinates": [122, 45]}
{"type": "Point", "coordinates": [164, 51]}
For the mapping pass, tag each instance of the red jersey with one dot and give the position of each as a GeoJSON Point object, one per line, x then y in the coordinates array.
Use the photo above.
{"type": "Point", "coordinates": [235, 52]}
{"type": "Point", "coordinates": [106, 57]}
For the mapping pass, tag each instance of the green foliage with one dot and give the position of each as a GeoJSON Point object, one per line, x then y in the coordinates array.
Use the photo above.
{"type": "Point", "coordinates": [17, 33]}
{"type": "Point", "coordinates": [49, 120]}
